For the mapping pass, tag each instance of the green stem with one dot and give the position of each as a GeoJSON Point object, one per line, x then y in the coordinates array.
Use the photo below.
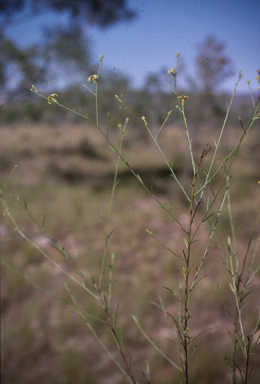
{"type": "Point", "coordinates": [110, 209]}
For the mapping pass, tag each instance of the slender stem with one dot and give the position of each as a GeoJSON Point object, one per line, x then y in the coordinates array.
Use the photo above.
{"type": "Point", "coordinates": [110, 209]}
{"type": "Point", "coordinates": [186, 276]}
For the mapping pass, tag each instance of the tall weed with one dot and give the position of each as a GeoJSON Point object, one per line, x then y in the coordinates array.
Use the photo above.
{"type": "Point", "coordinates": [206, 193]}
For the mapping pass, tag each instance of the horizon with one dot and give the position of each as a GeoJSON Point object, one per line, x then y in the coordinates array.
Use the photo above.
{"type": "Point", "coordinates": [150, 41]}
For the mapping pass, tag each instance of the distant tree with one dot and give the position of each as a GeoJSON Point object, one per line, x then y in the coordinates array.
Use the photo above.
{"type": "Point", "coordinates": [213, 65]}
{"type": "Point", "coordinates": [63, 54]}
{"type": "Point", "coordinates": [98, 12]}
{"type": "Point", "coordinates": [153, 106]}
{"type": "Point", "coordinates": [18, 68]}
{"type": "Point", "coordinates": [212, 68]}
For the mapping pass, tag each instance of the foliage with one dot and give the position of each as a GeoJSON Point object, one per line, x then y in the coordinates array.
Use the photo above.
{"type": "Point", "coordinates": [18, 67]}
{"type": "Point", "coordinates": [213, 65]}
{"type": "Point", "coordinates": [213, 68]}
{"type": "Point", "coordinates": [94, 11]}
{"type": "Point", "coordinates": [62, 51]}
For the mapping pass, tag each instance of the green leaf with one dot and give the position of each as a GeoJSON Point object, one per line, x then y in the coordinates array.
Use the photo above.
{"type": "Point", "coordinates": [115, 315]}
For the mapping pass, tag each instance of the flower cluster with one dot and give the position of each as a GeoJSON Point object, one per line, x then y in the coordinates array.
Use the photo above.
{"type": "Point", "coordinates": [94, 78]}
{"type": "Point", "coordinates": [172, 71]}
{"type": "Point", "coordinates": [52, 98]}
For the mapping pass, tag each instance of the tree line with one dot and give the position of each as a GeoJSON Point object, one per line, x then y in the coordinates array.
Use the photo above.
{"type": "Point", "coordinates": [68, 49]}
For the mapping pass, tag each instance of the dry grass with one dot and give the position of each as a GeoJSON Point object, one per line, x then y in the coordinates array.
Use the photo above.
{"type": "Point", "coordinates": [45, 341]}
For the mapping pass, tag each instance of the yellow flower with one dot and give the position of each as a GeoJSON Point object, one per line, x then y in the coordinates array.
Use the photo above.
{"type": "Point", "coordinates": [93, 78]}
{"type": "Point", "coordinates": [6, 211]}
{"type": "Point", "coordinates": [52, 98]}
{"type": "Point", "coordinates": [183, 97]}
{"type": "Point", "coordinates": [172, 71]}
{"type": "Point", "coordinates": [258, 78]}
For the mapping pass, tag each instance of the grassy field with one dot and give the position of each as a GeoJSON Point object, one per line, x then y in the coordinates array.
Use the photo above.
{"type": "Point", "coordinates": [65, 173]}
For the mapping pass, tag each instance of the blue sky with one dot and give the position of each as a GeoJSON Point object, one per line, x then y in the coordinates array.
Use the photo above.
{"type": "Point", "coordinates": [161, 28]}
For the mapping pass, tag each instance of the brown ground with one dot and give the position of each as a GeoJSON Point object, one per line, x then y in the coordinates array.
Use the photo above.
{"type": "Point", "coordinates": [66, 173]}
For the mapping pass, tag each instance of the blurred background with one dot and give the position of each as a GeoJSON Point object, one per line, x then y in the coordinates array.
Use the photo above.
{"type": "Point", "coordinates": [56, 45]}
{"type": "Point", "coordinates": [65, 170]}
